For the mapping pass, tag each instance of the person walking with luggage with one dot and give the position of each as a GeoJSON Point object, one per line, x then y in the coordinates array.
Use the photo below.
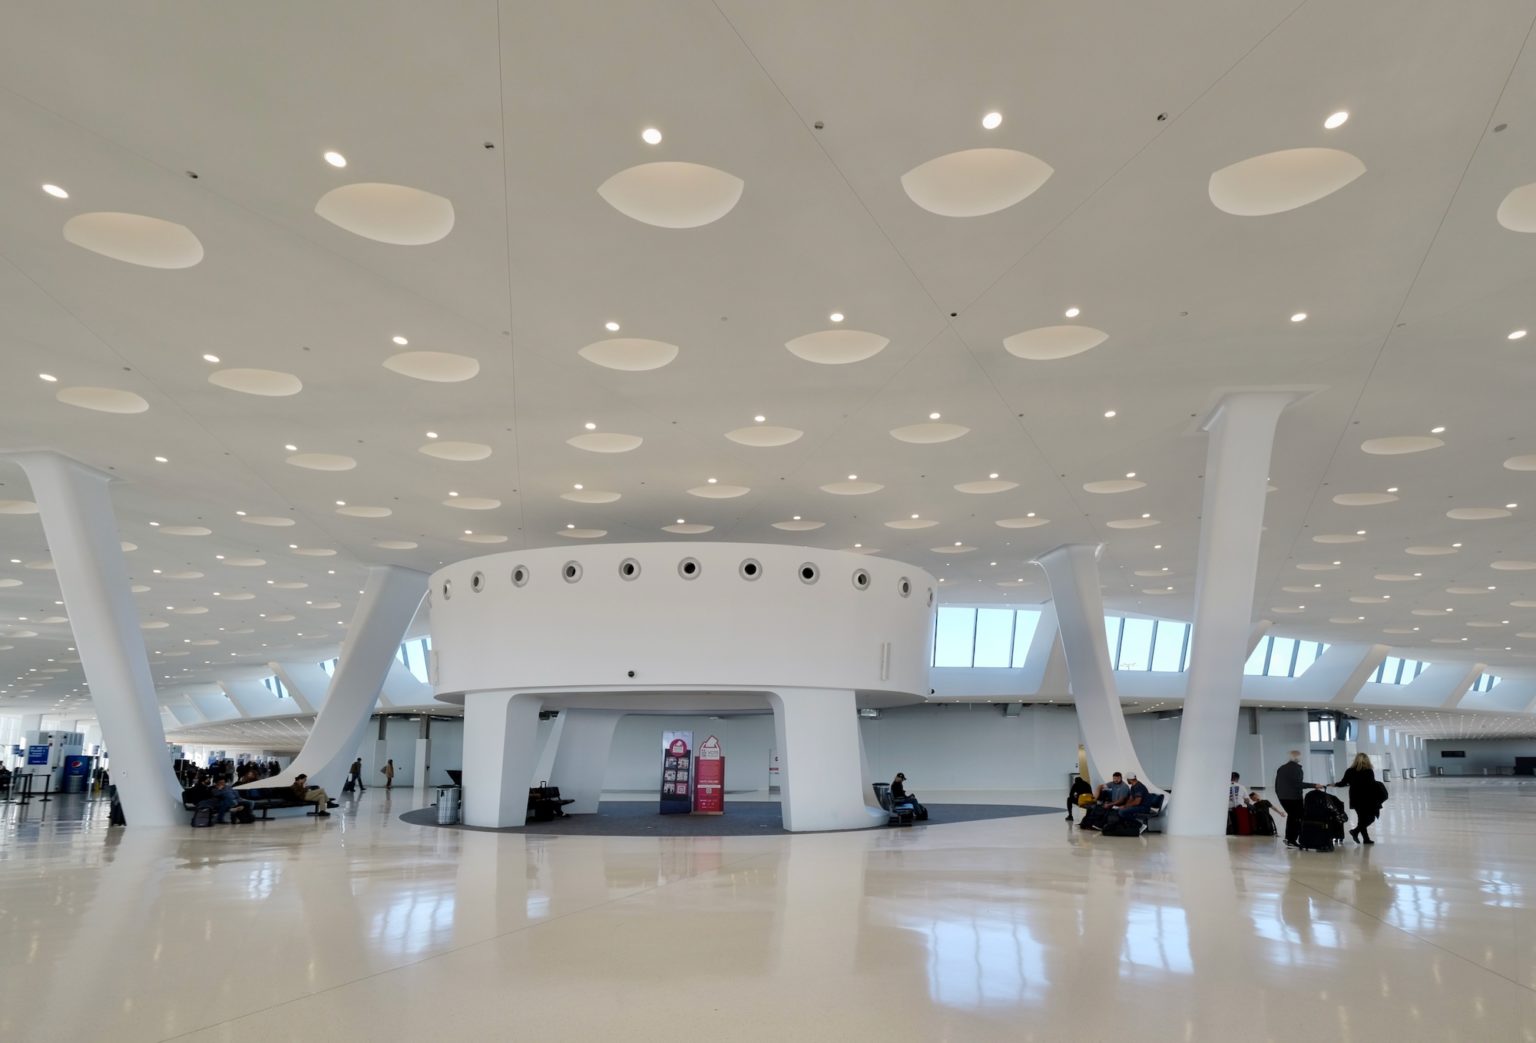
{"type": "Point", "coordinates": [389, 775]}
{"type": "Point", "coordinates": [1365, 797]}
{"type": "Point", "coordinates": [1290, 787]}
{"type": "Point", "coordinates": [356, 771]}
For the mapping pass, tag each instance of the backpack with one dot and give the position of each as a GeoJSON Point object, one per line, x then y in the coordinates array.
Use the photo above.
{"type": "Point", "coordinates": [202, 817]}
{"type": "Point", "coordinates": [242, 814]}
{"type": "Point", "coordinates": [1121, 826]}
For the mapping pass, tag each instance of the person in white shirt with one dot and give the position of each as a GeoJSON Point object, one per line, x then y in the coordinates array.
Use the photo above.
{"type": "Point", "coordinates": [1235, 792]}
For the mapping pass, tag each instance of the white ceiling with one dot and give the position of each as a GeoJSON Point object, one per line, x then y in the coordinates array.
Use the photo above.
{"type": "Point", "coordinates": [1409, 283]}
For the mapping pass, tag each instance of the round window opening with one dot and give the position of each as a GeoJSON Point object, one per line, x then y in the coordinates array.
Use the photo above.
{"type": "Point", "coordinates": [689, 568]}
{"type": "Point", "coordinates": [751, 569]}
{"type": "Point", "coordinates": [860, 579]}
{"type": "Point", "coordinates": [629, 568]}
{"type": "Point", "coordinates": [520, 576]}
{"type": "Point", "coordinates": [571, 572]}
{"type": "Point", "coordinates": [477, 582]}
{"type": "Point", "coordinates": [447, 589]}
{"type": "Point", "coordinates": [904, 587]}
{"type": "Point", "coordinates": [809, 573]}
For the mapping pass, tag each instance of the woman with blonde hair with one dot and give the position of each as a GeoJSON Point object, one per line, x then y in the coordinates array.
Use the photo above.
{"type": "Point", "coordinates": [1365, 796]}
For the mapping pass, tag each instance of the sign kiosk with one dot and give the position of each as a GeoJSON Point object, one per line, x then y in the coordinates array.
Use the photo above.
{"type": "Point", "coordinates": [676, 773]}
{"type": "Point", "coordinates": [709, 779]}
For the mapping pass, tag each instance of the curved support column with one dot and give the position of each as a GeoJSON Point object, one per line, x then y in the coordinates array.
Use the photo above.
{"type": "Point", "coordinates": [81, 529]}
{"type": "Point", "coordinates": [1242, 434]}
{"type": "Point", "coordinates": [501, 751]}
{"type": "Point", "coordinates": [582, 745]}
{"type": "Point", "coordinates": [389, 602]}
{"type": "Point", "coordinates": [1073, 573]}
{"type": "Point", "coordinates": [823, 778]}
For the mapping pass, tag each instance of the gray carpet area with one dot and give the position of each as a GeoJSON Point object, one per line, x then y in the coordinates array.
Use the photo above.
{"type": "Point", "coordinates": [633, 818]}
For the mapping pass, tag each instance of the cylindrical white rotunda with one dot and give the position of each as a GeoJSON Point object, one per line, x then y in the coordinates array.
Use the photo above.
{"type": "Point", "coordinates": [601, 631]}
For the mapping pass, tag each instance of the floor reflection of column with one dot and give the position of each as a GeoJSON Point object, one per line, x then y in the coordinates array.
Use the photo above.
{"type": "Point", "coordinates": [818, 740]}
{"type": "Point", "coordinates": [581, 758]}
{"type": "Point", "coordinates": [500, 754]}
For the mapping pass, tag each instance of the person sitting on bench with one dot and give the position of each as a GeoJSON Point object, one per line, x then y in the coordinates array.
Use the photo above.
{"type": "Point", "coordinates": [302, 791]}
{"type": "Point", "coordinates": [222, 800]}
{"type": "Point", "coordinates": [1135, 797]}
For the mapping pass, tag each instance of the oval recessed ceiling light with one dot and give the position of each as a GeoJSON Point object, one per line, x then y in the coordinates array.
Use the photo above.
{"type": "Point", "coordinates": [1337, 120]}
{"type": "Point", "coordinates": [1110, 414]}
{"type": "Point", "coordinates": [611, 327]}
{"type": "Point", "coordinates": [837, 347]}
{"type": "Point", "coordinates": [1049, 343]}
{"type": "Point", "coordinates": [992, 120]}
{"type": "Point", "coordinates": [651, 136]}
{"type": "Point", "coordinates": [975, 181]}
{"type": "Point", "coordinates": [672, 195]}
{"type": "Point", "coordinates": [402, 341]}
{"type": "Point", "coordinates": [49, 377]}
{"type": "Point", "coordinates": [1300, 316]}
{"type": "Point", "coordinates": [56, 192]}
{"type": "Point", "coordinates": [1279, 181]}
{"type": "Point", "coordinates": [836, 316]}
{"type": "Point", "coordinates": [396, 214]}
{"type": "Point", "coordinates": [1516, 335]}
{"type": "Point", "coordinates": [1072, 313]}
{"type": "Point", "coordinates": [336, 159]}
{"type": "Point", "coordinates": [135, 239]}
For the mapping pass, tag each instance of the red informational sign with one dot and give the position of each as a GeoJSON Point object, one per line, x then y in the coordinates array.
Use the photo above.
{"type": "Point", "coordinates": [709, 779]}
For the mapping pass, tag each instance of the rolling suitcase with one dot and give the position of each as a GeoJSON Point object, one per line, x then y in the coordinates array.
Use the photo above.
{"type": "Point", "coordinates": [1239, 822]}
{"type": "Point", "coordinates": [1320, 825]}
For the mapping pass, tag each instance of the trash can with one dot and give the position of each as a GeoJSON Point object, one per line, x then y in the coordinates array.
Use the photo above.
{"type": "Point", "coordinates": [447, 805]}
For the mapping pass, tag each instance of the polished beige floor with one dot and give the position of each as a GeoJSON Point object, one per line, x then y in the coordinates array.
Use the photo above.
{"type": "Point", "coordinates": [364, 928]}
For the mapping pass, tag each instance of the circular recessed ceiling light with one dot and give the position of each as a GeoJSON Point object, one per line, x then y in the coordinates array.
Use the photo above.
{"type": "Point", "coordinates": [590, 426]}
{"type": "Point", "coordinates": [1337, 120]}
{"type": "Point", "coordinates": [933, 416]}
{"type": "Point", "coordinates": [1109, 414]}
{"type": "Point", "coordinates": [400, 340]}
{"type": "Point", "coordinates": [336, 159]}
{"type": "Point", "coordinates": [651, 136]}
{"type": "Point", "coordinates": [759, 419]}
{"type": "Point", "coordinates": [1073, 313]}
{"type": "Point", "coordinates": [211, 358]}
{"type": "Point", "coordinates": [56, 192]}
{"type": "Point", "coordinates": [836, 316]}
{"type": "Point", "coordinates": [611, 327]}
{"type": "Point", "coordinates": [1437, 430]}
{"type": "Point", "coordinates": [992, 120]}
{"type": "Point", "coordinates": [161, 460]}
{"type": "Point", "coordinates": [49, 377]}
{"type": "Point", "coordinates": [1517, 335]}
{"type": "Point", "coordinates": [1300, 316]}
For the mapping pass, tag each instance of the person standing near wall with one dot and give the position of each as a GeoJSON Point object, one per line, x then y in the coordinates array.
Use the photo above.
{"type": "Point", "coordinates": [356, 771]}
{"type": "Point", "coordinates": [1289, 787]}
{"type": "Point", "coordinates": [389, 775]}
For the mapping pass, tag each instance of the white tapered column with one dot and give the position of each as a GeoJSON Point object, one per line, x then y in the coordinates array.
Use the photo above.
{"type": "Point", "coordinates": [1073, 573]}
{"type": "Point", "coordinates": [581, 756]}
{"type": "Point", "coordinates": [389, 602]}
{"type": "Point", "coordinates": [1242, 433]}
{"type": "Point", "coordinates": [81, 528]}
{"type": "Point", "coordinates": [501, 751]}
{"type": "Point", "coordinates": [823, 776]}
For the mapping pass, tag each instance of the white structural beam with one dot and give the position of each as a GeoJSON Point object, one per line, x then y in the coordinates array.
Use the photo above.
{"type": "Point", "coordinates": [822, 786]}
{"type": "Point", "coordinates": [1241, 430]}
{"type": "Point", "coordinates": [390, 599]}
{"type": "Point", "coordinates": [255, 699]}
{"type": "Point", "coordinates": [501, 751]}
{"type": "Point", "coordinates": [1461, 685]}
{"type": "Point", "coordinates": [1073, 572]}
{"type": "Point", "coordinates": [306, 682]}
{"type": "Point", "coordinates": [1345, 669]}
{"type": "Point", "coordinates": [1256, 634]}
{"type": "Point", "coordinates": [81, 528]}
{"type": "Point", "coordinates": [583, 739]}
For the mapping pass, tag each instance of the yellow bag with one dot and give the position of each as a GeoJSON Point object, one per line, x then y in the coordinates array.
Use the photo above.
{"type": "Point", "coordinates": [1084, 799]}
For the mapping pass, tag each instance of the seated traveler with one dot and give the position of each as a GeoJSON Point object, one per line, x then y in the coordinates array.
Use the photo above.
{"type": "Point", "coordinates": [303, 791]}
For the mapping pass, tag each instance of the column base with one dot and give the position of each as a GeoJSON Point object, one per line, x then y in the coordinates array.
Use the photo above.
{"type": "Point", "coordinates": [500, 756]}
{"type": "Point", "coordinates": [823, 778]}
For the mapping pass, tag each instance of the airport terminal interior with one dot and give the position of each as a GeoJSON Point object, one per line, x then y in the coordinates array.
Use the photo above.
{"type": "Point", "coordinates": [768, 519]}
